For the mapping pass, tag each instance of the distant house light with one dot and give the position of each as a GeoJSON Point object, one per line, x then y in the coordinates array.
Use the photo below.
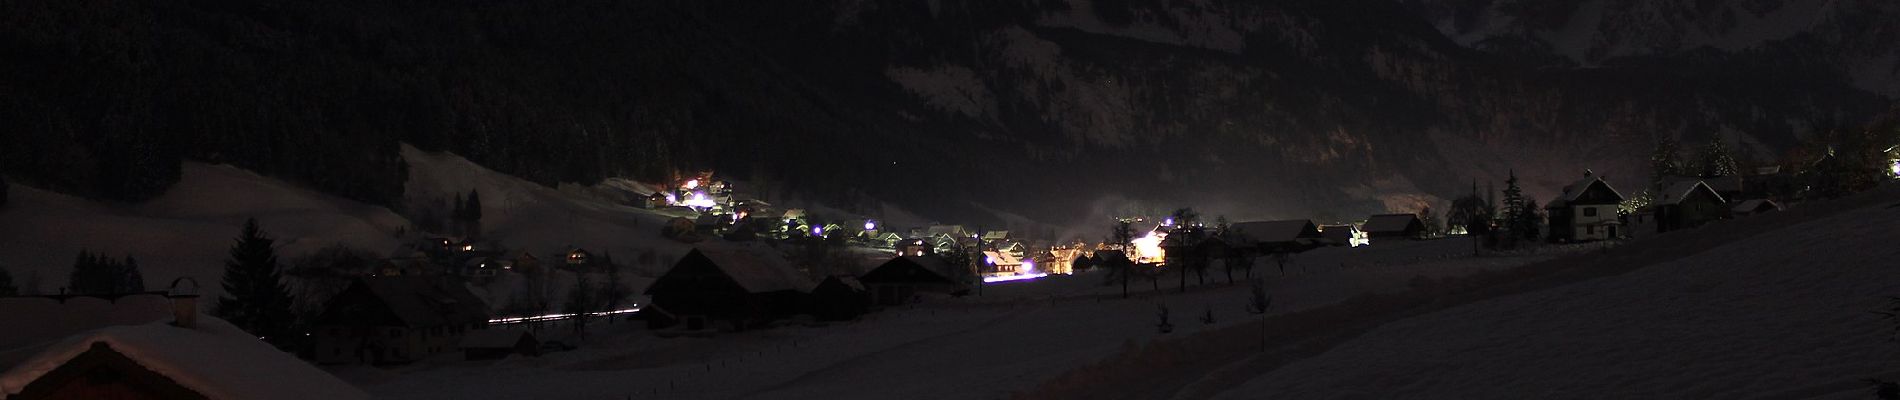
{"type": "Point", "coordinates": [468, 247]}
{"type": "Point", "coordinates": [870, 225]}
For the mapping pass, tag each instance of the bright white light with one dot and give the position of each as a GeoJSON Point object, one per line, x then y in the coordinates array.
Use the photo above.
{"type": "Point", "coordinates": [1168, 222]}
{"type": "Point", "coordinates": [870, 225]}
{"type": "Point", "coordinates": [994, 279]}
{"type": "Point", "coordinates": [692, 184]}
{"type": "Point", "coordinates": [468, 247]}
{"type": "Point", "coordinates": [699, 200]}
{"type": "Point", "coordinates": [817, 231]}
{"type": "Point", "coordinates": [1148, 248]}
{"type": "Point", "coordinates": [1029, 266]}
{"type": "Point", "coordinates": [557, 317]}
{"type": "Point", "coordinates": [672, 199]}
{"type": "Point", "coordinates": [1896, 168]}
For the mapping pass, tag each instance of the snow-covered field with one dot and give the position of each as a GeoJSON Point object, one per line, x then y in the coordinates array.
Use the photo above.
{"type": "Point", "coordinates": [1785, 314]}
{"type": "Point", "coordinates": [1012, 337]}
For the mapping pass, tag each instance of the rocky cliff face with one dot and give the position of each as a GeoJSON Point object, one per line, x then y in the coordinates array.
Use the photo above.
{"type": "Point", "coordinates": [1064, 111]}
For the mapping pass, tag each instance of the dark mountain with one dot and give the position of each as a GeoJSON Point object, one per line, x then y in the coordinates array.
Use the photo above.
{"type": "Point", "coordinates": [1062, 110]}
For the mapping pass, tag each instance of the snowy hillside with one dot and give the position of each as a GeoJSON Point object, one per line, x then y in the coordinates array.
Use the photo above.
{"type": "Point", "coordinates": [188, 230]}
{"type": "Point", "coordinates": [1782, 314]}
{"type": "Point", "coordinates": [184, 233]}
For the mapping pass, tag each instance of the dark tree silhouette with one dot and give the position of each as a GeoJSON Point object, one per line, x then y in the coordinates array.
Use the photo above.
{"type": "Point", "coordinates": [255, 298]}
{"type": "Point", "coordinates": [7, 287]}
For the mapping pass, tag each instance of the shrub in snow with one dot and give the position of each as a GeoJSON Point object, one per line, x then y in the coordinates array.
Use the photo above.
{"type": "Point", "coordinates": [1207, 315]}
{"type": "Point", "coordinates": [1258, 302]}
{"type": "Point", "coordinates": [1162, 313]}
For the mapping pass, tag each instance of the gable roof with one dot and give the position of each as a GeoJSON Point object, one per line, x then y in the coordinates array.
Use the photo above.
{"type": "Point", "coordinates": [424, 301]}
{"type": "Point", "coordinates": [1001, 258]}
{"type": "Point", "coordinates": [41, 319]}
{"type": "Point", "coordinates": [1392, 223]}
{"type": "Point", "coordinates": [1749, 206]}
{"type": "Point", "coordinates": [1277, 231]}
{"type": "Point", "coordinates": [995, 235]}
{"type": "Point", "coordinates": [214, 359]}
{"type": "Point", "coordinates": [1575, 191]}
{"type": "Point", "coordinates": [1676, 192]}
{"type": "Point", "coordinates": [755, 268]}
{"type": "Point", "coordinates": [928, 268]}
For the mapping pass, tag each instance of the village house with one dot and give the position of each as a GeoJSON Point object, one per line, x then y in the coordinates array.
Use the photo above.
{"type": "Point", "coordinates": [732, 287]}
{"type": "Point", "coordinates": [1687, 204]}
{"type": "Point", "coordinates": [1394, 226]}
{"type": "Point", "coordinates": [393, 320]}
{"type": "Point", "coordinates": [1292, 235]}
{"type": "Point", "coordinates": [1344, 235]}
{"type": "Point", "coordinates": [839, 298]}
{"type": "Point", "coordinates": [1586, 211]}
{"type": "Point", "coordinates": [901, 279]}
{"type": "Point", "coordinates": [914, 247]}
{"type": "Point", "coordinates": [996, 263]}
{"type": "Point", "coordinates": [495, 344]}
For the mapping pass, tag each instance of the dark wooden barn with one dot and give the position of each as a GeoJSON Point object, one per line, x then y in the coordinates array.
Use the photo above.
{"type": "Point", "coordinates": [737, 286]}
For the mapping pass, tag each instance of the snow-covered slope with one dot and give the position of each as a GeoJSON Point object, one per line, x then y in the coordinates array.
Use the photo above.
{"type": "Point", "coordinates": [1783, 314]}
{"type": "Point", "coordinates": [187, 231]}
{"type": "Point", "coordinates": [527, 216]}
{"type": "Point", "coordinates": [184, 233]}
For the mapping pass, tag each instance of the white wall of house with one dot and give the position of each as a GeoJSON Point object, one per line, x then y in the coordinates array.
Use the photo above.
{"type": "Point", "coordinates": [1589, 218]}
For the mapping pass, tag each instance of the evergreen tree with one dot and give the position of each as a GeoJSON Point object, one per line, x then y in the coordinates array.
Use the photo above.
{"type": "Point", "coordinates": [1533, 220]}
{"type": "Point", "coordinates": [130, 280]}
{"type": "Point", "coordinates": [1716, 161]}
{"type": "Point", "coordinates": [6, 284]}
{"type": "Point", "coordinates": [473, 209]}
{"type": "Point", "coordinates": [254, 295]}
{"type": "Point", "coordinates": [1664, 161]}
{"type": "Point", "coordinates": [1515, 216]}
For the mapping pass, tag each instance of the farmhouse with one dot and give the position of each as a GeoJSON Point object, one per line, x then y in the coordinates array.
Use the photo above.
{"type": "Point", "coordinates": [1587, 210]}
{"type": "Point", "coordinates": [1394, 226]}
{"type": "Point", "coordinates": [1688, 204]}
{"type": "Point", "coordinates": [731, 287]}
{"type": "Point", "coordinates": [393, 320]}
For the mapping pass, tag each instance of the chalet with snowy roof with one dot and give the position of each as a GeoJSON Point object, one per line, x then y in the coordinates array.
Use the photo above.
{"type": "Point", "coordinates": [995, 236]}
{"type": "Point", "coordinates": [1394, 226]}
{"type": "Point", "coordinates": [1687, 204]}
{"type": "Point", "coordinates": [393, 320]}
{"type": "Point", "coordinates": [996, 263]}
{"type": "Point", "coordinates": [1277, 236]}
{"type": "Point", "coordinates": [839, 298]}
{"type": "Point", "coordinates": [915, 247]}
{"type": "Point", "coordinates": [1746, 208]}
{"type": "Point", "coordinates": [1344, 235]}
{"type": "Point", "coordinates": [495, 344]}
{"type": "Point", "coordinates": [732, 287]}
{"type": "Point", "coordinates": [882, 240]}
{"type": "Point", "coordinates": [1585, 211]}
{"type": "Point", "coordinates": [901, 279]}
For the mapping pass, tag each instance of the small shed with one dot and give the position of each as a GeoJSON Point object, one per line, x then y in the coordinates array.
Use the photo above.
{"type": "Point", "coordinates": [495, 344]}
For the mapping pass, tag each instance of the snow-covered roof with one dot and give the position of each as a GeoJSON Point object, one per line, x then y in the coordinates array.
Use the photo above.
{"type": "Point", "coordinates": [1001, 258]}
{"type": "Point", "coordinates": [1275, 231]}
{"type": "Point", "coordinates": [1389, 223]}
{"type": "Point", "coordinates": [1749, 206]}
{"type": "Point", "coordinates": [38, 320]}
{"type": "Point", "coordinates": [214, 359]}
{"type": "Point", "coordinates": [756, 268]}
{"type": "Point", "coordinates": [493, 338]}
{"type": "Point", "coordinates": [1576, 190]}
{"type": "Point", "coordinates": [1681, 189]}
{"type": "Point", "coordinates": [996, 235]}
